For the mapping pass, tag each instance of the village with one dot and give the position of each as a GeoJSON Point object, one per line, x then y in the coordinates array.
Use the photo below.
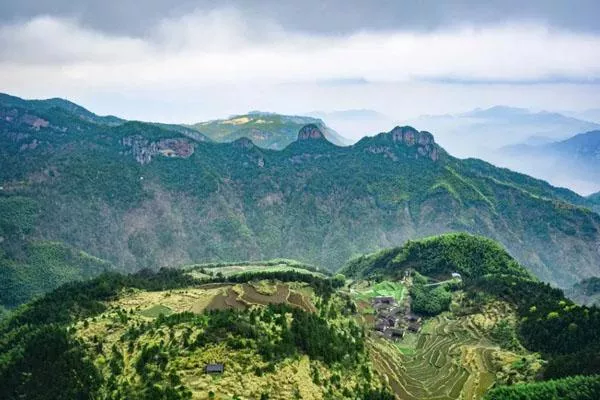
{"type": "Point", "coordinates": [393, 319]}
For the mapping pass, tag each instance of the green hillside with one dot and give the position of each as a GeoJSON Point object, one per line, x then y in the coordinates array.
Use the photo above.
{"type": "Point", "coordinates": [267, 130]}
{"type": "Point", "coordinates": [471, 256]}
{"type": "Point", "coordinates": [282, 330]}
{"type": "Point", "coordinates": [143, 195]}
{"type": "Point", "coordinates": [544, 320]}
{"type": "Point", "coordinates": [151, 335]}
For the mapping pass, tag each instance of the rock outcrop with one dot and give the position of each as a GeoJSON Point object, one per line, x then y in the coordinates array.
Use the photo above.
{"type": "Point", "coordinates": [144, 150]}
{"type": "Point", "coordinates": [310, 132]}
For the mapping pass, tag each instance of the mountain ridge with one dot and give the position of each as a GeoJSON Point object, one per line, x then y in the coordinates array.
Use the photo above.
{"type": "Point", "coordinates": [140, 195]}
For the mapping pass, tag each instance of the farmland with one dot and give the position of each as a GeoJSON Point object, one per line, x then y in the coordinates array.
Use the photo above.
{"type": "Point", "coordinates": [216, 297]}
{"type": "Point", "coordinates": [365, 292]}
{"type": "Point", "coordinates": [151, 341]}
{"type": "Point", "coordinates": [451, 358]}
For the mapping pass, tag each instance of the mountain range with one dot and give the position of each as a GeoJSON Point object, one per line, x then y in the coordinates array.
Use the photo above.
{"type": "Point", "coordinates": [142, 195]}
{"type": "Point", "coordinates": [481, 131]}
{"type": "Point", "coordinates": [576, 159]}
{"type": "Point", "coordinates": [267, 130]}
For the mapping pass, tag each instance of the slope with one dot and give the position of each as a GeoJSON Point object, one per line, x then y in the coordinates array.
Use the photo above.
{"type": "Point", "coordinates": [151, 335]}
{"type": "Point", "coordinates": [544, 320]}
{"type": "Point", "coordinates": [140, 195]}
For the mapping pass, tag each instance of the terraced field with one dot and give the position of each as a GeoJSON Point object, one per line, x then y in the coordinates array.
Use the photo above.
{"type": "Point", "coordinates": [450, 359]}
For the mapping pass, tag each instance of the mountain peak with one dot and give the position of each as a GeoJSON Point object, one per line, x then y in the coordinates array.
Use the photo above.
{"type": "Point", "coordinates": [310, 132]}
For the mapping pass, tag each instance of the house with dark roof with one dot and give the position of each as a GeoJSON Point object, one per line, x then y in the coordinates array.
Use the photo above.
{"type": "Point", "coordinates": [396, 333]}
{"type": "Point", "coordinates": [414, 327]}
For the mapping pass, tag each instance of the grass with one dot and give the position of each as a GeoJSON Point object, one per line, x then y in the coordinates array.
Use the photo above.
{"type": "Point", "coordinates": [396, 290]}
{"type": "Point", "coordinates": [288, 379]}
{"type": "Point", "coordinates": [156, 310]}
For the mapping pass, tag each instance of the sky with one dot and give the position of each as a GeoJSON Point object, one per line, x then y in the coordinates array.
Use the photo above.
{"type": "Point", "coordinates": [188, 61]}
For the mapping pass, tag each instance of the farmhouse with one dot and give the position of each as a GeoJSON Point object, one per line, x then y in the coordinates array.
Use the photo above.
{"type": "Point", "coordinates": [214, 368]}
{"type": "Point", "coordinates": [410, 317]}
{"type": "Point", "coordinates": [414, 327]}
{"type": "Point", "coordinates": [397, 333]}
{"type": "Point", "coordinates": [381, 326]}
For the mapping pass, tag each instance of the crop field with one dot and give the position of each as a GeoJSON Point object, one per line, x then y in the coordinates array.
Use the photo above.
{"type": "Point", "coordinates": [396, 290]}
{"type": "Point", "coordinates": [450, 359]}
{"type": "Point", "coordinates": [217, 296]}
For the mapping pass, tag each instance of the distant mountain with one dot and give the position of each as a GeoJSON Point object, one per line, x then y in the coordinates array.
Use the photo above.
{"type": "Point", "coordinates": [589, 115]}
{"type": "Point", "coordinates": [143, 195]}
{"type": "Point", "coordinates": [267, 130]}
{"type": "Point", "coordinates": [576, 159]}
{"type": "Point", "coordinates": [480, 131]}
{"type": "Point", "coordinates": [355, 124]}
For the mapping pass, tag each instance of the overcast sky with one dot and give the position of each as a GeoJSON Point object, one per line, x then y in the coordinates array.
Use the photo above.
{"type": "Point", "coordinates": [185, 61]}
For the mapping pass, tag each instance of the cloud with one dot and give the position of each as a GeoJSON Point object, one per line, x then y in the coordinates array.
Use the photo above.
{"type": "Point", "coordinates": [224, 47]}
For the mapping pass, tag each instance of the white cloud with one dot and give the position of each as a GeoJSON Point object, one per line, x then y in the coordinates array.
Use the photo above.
{"type": "Point", "coordinates": [224, 47]}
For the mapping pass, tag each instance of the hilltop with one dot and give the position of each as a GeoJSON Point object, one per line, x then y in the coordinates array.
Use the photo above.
{"type": "Point", "coordinates": [142, 195]}
{"type": "Point", "coordinates": [281, 329]}
{"type": "Point", "coordinates": [267, 130]}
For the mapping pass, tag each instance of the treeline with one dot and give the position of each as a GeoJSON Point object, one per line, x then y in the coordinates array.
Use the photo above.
{"type": "Point", "coordinates": [571, 388]}
{"type": "Point", "coordinates": [268, 263]}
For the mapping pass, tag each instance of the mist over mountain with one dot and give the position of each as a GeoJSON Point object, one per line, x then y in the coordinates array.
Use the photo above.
{"type": "Point", "coordinates": [574, 162]}
{"type": "Point", "coordinates": [479, 132]}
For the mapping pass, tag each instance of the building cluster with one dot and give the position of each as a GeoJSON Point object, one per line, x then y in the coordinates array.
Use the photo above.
{"type": "Point", "coordinates": [393, 320]}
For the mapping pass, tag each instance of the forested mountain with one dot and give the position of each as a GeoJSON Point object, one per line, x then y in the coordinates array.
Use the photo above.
{"type": "Point", "coordinates": [266, 130]}
{"type": "Point", "coordinates": [145, 195]}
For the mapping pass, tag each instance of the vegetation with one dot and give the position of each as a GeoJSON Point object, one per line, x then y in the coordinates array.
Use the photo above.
{"type": "Point", "coordinates": [430, 300]}
{"type": "Point", "coordinates": [547, 322]}
{"type": "Point", "coordinates": [572, 388]}
{"type": "Point", "coordinates": [114, 351]}
{"type": "Point", "coordinates": [471, 256]}
{"type": "Point", "coordinates": [74, 175]}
